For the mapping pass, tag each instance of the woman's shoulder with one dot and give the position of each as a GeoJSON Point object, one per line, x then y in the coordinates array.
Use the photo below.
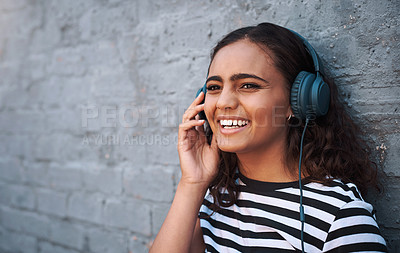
{"type": "Point", "coordinates": [334, 191]}
{"type": "Point", "coordinates": [353, 226]}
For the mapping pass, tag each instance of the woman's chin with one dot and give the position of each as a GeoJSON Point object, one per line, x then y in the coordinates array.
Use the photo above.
{"type": "Point", "coordinates": [230, 145]}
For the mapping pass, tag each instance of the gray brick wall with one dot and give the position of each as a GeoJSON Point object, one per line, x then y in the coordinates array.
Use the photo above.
{"type": "Point", "coordinates": [92, 91]}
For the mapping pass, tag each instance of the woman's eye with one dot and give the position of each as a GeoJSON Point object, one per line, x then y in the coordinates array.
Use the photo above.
{"type": "Point", "coordinates": [250, 86]}
{"type": "Point", "coordinates": [213, 87]}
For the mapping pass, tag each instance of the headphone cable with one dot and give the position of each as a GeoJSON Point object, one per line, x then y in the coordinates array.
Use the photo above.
{"type": "Point", "coordinates": [302, 215]}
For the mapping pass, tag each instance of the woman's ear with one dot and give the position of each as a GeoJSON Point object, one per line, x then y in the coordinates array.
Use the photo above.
{"type": "Point", "coordinates": [289, 113]}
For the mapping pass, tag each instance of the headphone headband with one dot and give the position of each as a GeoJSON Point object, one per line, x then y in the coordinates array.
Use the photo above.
{"type": "Point", "coordinates": [311, 51]}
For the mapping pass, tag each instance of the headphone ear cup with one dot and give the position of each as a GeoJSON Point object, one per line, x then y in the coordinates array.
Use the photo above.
{"type": "Point", "coordinates": [310, 95]}
{"type": "Point", "coordinates": [320, 97]}
{"type": "Point", "coordinates": [300, 94]}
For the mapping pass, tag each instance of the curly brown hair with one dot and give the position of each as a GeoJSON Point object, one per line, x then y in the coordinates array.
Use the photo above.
{"type": "Point", "coordinates": [333, 148]}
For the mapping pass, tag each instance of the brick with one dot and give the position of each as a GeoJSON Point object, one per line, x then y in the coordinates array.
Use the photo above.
{"type": "Point", "coordinates": [45, 247]}
{"type": "Point", "coordinates": [120, 79]}
{"type": "Point", "coordinates": [353, 93]}
{"type": "Point", "coordinates": [46, 93]}
{"type": "Point", "coordinates": [17, 242]}
{"type": "Point", "coordinates": [183, 42]}
{"type": "Point", "coordinates": [392, 151]}
{"type": "Point", "coordinates": [139, 245]}
{"type": "Point", "coordinates": [25, 222]}
{"type": "Point", "coordinates": [51, 202]}
{"type": "Point", "coordinates": [5, 198]}
{"type": "Point", "coordinates": [13, 5]}
{"type": "Point", "coordinates": [101, 51]}
{"type": "Point", "coordinates": [130, 151]}
{"type": "Point", "coordinates": [103, 180]}
{"type": "Point", "coordinates": [63, 121]}
{"type": "Point", "coordinates": [28, 20]}
{"type": "Point", "coordinates": [18, 196]}
{"type": "Point", "coordinates": [48, 147]}
{"type": "Point", "coordinates": [11, 103]}
{"type": "Point", "coordinates": [16, 50]}
{"type": "Point", "coordinates": [19, 145]}
{"type": "Point", "coordinates": [76, 151]}
{"type": "Point", "coordinates": [101, 21]}
{"type": "Point", "coordinates": [175, 70]}
{"type": "Point", "coordinates": [4, 139]}
{"type": "Point", "coordinates": [107, 241]}
{"type": "Point", "coordinates": [22, 121]}
{"type": "Point", "coordinates": [164, 153]}
{"type": "Point", "coordinates": [36, 65]}
{"type": "Point", "coordinates": [9, 70]}
{"type": "Point", "coordinates": [68, 62]}
{"type": "Point", "coordinates": [155, 185]}
{"type": "Point", "coordinates": [392, 239]}
{"type": "Point", "coordinates": [50, 33]}
{"type": "Point", "coordinates": [127, 52]}
{"type": "Point", "coordinates": [87, 207]}
{"type": "Point", "coordinates": [142, 51]}
{"type": "Point", "coordinates": [65, 178]}
{"type": "Point", "coordinates": [155, 8]}
{"type": "Point", "coordinates": [67, 234]}
{"type": "Point", "coordinates": [387, 213]}
{"type": "Point", "coordinates": [11, 170]}
{"type": "Point", "coordinates": [133, 215]}
{"type": "Point", "coordinates": [80, 89]}
{"type": "Point", "coordinates": [36, 174]}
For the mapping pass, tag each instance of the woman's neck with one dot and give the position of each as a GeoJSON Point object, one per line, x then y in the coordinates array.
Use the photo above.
{"type": "Point", "coordinates": [267, 165]}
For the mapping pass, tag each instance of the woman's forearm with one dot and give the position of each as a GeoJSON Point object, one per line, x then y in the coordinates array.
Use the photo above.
{"type": "Point", "coordinates": [176, 232]}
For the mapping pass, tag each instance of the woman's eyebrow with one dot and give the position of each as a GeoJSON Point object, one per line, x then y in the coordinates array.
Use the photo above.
{"type": "Point", "coordinates": [214, 78]}
{"type": "Point", "coordinates": [239, 76]}
{"type": "Point", "coordinates": [236, 77]}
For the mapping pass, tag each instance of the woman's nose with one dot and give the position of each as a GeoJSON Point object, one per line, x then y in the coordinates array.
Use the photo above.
{"type": "Point", "coordinates": [227, 99]}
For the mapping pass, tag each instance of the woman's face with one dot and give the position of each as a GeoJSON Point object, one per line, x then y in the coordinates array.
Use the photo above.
{"type": "Point", "coordinates": [247, 99]}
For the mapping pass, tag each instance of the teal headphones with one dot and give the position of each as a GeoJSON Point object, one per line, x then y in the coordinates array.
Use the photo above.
{"type": "Point", "coordinates": [310, 94]}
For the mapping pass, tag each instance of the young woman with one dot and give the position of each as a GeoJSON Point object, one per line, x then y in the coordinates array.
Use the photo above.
{"type": "Point", "coordinates": [241, 188]}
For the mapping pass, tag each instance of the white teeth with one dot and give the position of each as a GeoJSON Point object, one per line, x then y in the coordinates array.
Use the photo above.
{"type": "Point", "coordinates": [233, 123]}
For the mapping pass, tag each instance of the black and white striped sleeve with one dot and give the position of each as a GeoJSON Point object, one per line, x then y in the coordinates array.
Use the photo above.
{"type": "Point", "coordinates": [355, 230]}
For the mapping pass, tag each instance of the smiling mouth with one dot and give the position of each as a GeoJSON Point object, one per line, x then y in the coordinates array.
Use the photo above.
{"type": "Point", "coordinates": [229, 124]}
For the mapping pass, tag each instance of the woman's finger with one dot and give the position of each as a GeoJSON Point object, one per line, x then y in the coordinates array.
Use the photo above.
{"type": "Point", "coordinates": [197, 100]}
{"type": "Point", "coordinates": [200, 130]}
{"type": "Point", "coordinates": [186, 126]}
{"type": "Point", "coordinates": [190, 113]}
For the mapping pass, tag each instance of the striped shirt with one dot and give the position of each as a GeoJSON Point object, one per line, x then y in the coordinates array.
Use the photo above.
{"type": "Point", "coordinates": [265, 218]}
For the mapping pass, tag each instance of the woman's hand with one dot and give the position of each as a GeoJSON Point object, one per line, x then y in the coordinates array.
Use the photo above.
{"type": "Point", "coordinates": [199, 160]}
